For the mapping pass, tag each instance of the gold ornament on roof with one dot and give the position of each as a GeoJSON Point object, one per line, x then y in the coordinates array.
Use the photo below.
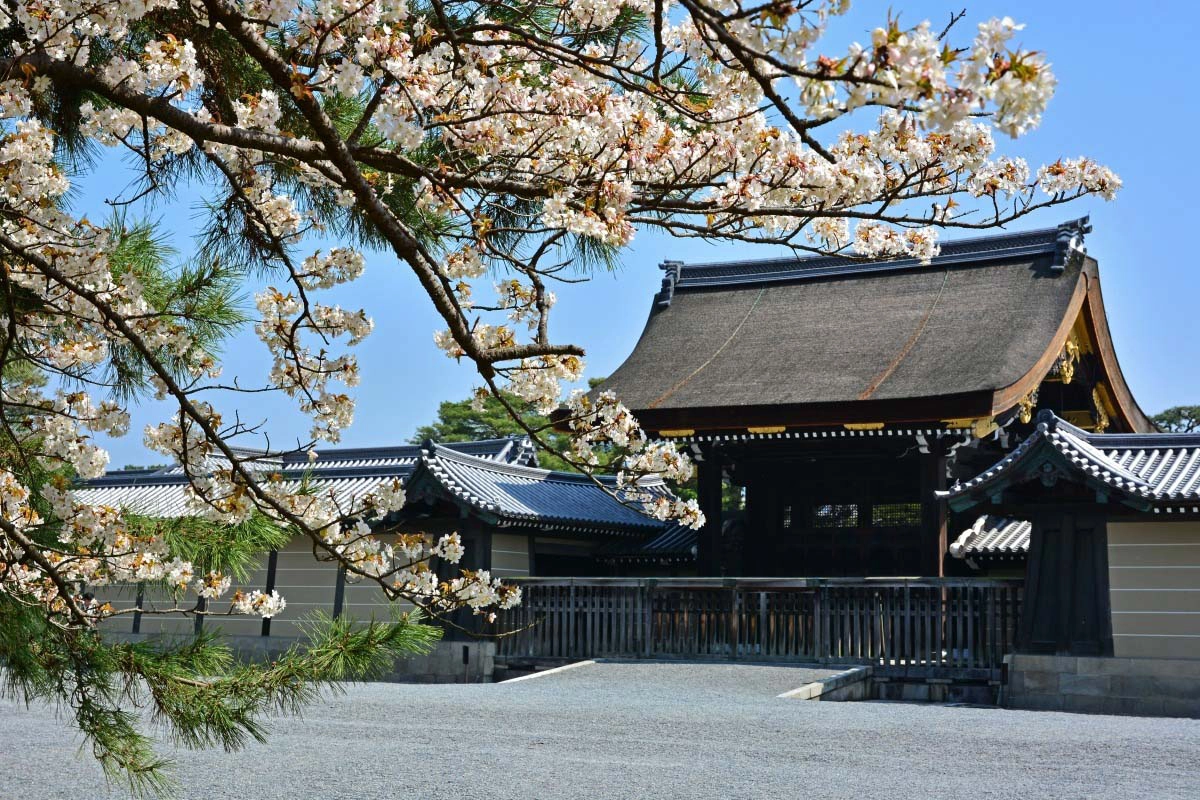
{"type": "Point", "coordinates": [1026, 405]}
{"type": "Point", "coordinates": [1102, 420]}
{"type": "Point", "coordinates": [1069, 358]}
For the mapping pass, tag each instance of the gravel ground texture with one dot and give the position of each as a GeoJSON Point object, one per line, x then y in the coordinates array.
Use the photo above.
{"type": "Point", "coordinates": [657, 731]}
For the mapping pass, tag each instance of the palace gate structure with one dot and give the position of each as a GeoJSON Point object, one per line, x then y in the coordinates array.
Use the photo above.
{"type": "Point", "coordinates": [921, 467]}
{"type": "Point", "coordinates": [830, 403]}
{"type": "Point", "coordinates": [835, 398]}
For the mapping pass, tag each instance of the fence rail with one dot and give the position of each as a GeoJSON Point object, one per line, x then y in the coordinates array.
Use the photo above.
{"type": "Point", "coordinates": [938, 622]}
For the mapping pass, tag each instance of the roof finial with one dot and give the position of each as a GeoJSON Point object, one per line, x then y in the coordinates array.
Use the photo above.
{"type": "Point", "coordinates": [1047, 420]}
{"type": "Point", "coordinates": [672, 270]}
{"type": "Point", "coordinates": [1070, 244]}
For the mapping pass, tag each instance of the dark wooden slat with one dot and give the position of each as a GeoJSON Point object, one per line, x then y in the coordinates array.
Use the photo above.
{"type": "Point", "coordinates": [957, 623]}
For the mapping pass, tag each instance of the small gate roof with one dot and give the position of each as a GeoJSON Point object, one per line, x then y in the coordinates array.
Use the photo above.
{"type": "Point", "coordinates": [993, 535]}
{"type": "Point", "coordinates": [517, 495]}
{"type": "Point", "coordinates": [1159, 471]}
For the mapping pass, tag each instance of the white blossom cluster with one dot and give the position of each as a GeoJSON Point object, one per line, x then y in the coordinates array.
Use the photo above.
{"type": "Point", "coordinates": [260, 603]}
{"type": "Point", "coordinates": [555, 122]}
{"type": "Point", "coordinates": [298, 369]}
{"type": "Point", "coordinates": [605, 422]}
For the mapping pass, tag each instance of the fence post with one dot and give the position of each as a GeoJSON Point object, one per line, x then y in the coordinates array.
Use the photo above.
{"type": "Point", "coordinates": [908, 646]}
{"type": "Point", "coordinates": [648, 618]}
{"type": "Point", "coordinates": [571, 648]}
{"type": "Point", "coordinates": [733, 623]}
{"type": "Point", "coordinates": [763, 636]}
{"type": "Point", "coordinates": [819, 624]}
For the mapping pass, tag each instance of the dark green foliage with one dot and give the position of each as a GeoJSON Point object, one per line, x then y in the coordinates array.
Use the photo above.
{"type": "Point", "coordinates": [466, 421]}
{"type": "Point", "coordinates": [1179, 419]}
{"type": "Point", "coordinates": [230, 549]}
{"type": "Point", "coordinates": [205, 297]}
{"type": "Point", "coordinates": [189, 689]}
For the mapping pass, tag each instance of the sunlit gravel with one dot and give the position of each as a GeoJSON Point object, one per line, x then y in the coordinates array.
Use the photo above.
{"type": "Point", "coordinates": [654, 731]}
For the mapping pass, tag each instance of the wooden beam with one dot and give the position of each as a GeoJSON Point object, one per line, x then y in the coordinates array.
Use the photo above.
{"type": "Point", "coordinates": [931, 410]}
{"type": "Point", "coordinates": [1130, 413]}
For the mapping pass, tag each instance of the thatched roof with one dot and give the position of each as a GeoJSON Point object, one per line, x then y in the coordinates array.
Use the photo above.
{"type": "Point", "coordinates": [827, 340]}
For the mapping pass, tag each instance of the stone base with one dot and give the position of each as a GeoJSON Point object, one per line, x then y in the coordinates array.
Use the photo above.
{"type": "Point", "coordinates": [934, 691]}
{"type": "Point", "coordinates": [445, 663]}
{"type": "Point", "coordinates": [852, 684]}
{"type": "Point", "coordinates": [1150, 687]}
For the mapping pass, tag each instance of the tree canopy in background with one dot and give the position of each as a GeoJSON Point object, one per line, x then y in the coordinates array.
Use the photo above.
{"type": "Point", "coordinates": [495, 149]}
{"type": "Point", "coordinates": [1178, 419]}
{"type": "Point", "coordinates": [488, 418]}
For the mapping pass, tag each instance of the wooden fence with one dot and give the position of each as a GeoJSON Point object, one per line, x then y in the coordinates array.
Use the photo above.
{"type": "Point", "coordinates": [952, 623]}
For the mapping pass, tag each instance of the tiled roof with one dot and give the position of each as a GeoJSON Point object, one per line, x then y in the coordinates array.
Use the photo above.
{"type": "Point", "coordinates": [1161, 469]}
{"type": "Point", "coordinates": [675, 543]}
{"type": "Point", "coordinates": [165, 499]}
{"type": "Point", "coordinates": [348, 473]}
{"type": "Point", "coordinates": [993, 536]}
{"type": "Point", "coordinates": [519, 495]}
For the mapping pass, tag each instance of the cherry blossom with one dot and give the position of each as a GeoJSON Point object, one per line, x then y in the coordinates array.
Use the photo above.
{"type": "Point", "coordinates": [468, 143]}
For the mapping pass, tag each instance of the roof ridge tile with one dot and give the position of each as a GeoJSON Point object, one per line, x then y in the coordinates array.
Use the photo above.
{"type": "Point", "coordinates": [1059, 241]}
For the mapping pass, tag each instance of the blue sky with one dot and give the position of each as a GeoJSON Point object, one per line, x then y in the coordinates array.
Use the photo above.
{"type": "Point", "coordinates": [1124, 98]}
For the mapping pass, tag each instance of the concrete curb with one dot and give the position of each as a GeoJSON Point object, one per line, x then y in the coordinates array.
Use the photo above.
{"type": "Point", "coordinates": [546, 672]}
{"type": "Point", "coordinates": [848, 685]}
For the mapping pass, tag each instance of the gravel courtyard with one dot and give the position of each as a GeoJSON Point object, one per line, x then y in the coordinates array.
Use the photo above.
{"type": "Point", "coordinates": [655, 731]}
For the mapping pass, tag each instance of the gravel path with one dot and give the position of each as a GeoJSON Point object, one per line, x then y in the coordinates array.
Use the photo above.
{"type": "Point", "coordinates": [643, 731]}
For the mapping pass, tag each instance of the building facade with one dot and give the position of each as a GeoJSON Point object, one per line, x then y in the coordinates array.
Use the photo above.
{"type": "Point", "coordinates": [515, 520]}
{"type": "Point", "coordinates": [839, 396]}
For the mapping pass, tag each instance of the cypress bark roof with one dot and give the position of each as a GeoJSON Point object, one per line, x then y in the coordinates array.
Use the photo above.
{"type": "Point", "coordinates": [830, 340]}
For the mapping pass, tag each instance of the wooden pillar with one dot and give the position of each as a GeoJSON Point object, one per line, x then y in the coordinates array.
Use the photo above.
{"type": "Point", "coordinates": [339, 592]}
{"type": "Point", "coordinates": [934, 512]}
{"type": "Point", "coordinates": [477, 540]}
{"type": "Point", "coordinates": [1067, 608]}
{"type": "Point", "coordinates": [708, 480]}
{"type": "Point", "coordinates": [138, 604]}
{"type": "Point", "coordinates": [272, 567]}
{"type": "Point", "coordinates": [763, 518]}
{"type": "Point", "coordinates": [755, 540]}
